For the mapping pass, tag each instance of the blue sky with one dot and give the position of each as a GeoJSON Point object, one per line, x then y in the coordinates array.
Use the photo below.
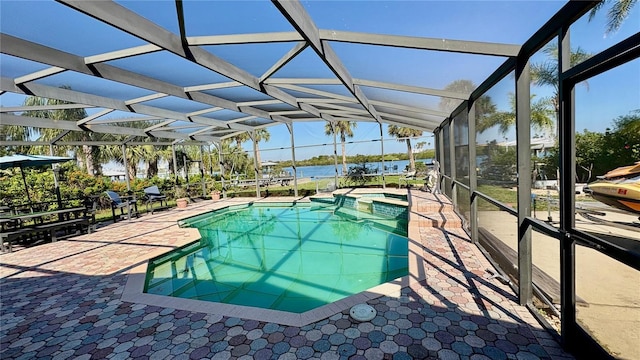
{"type": "Point", "coordinates": [605, 98]}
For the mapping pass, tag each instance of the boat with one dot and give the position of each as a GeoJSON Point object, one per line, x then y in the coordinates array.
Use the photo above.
{"type": "Point", "coordinates": [619, 188]}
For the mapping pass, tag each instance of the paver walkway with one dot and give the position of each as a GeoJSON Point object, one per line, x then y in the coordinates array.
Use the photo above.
{"type": "Point", "coordinates": [63, 300]}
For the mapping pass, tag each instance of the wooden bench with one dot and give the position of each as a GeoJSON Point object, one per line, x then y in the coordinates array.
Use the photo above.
{"type": "Point", "coordinates": [507, 259]}
{"type": "Point", "coordinates": [9, 236]}
{"type": "Point", "coordinates": [50, 229]}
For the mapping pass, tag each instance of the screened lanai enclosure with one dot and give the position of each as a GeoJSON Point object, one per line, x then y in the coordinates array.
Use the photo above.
{"type": "Point", "coordinates": [497, 89]}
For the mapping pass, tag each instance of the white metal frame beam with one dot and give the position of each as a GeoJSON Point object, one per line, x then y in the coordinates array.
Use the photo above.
{"type": "Point", "coordinates": [458, 46]}
{"type": "Point", "coordinates": [300, 20]}
{"type": "Point", "coordinates": [122, 18]}
{"type": "Point", "coordinates": [329, 106]}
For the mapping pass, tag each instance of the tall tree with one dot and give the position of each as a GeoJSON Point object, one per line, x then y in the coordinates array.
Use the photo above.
{"type": "Point", "coordinates": [167, 154]}
{"type": "Point", "coordinates": [484, 105]}
{"type": "Point", "coordinates": [152, 159]}
{"type": "Point", "coordinates": [405, 134]}
{"type": "Point", "coordinates": [625, 138]}
{"type": "Point", "coordinates": [601, 152]}
{"type": "Point", "coordinates": [134, 155]}
{"type": "Point", "coordinates": [463, 87]}
{"type": "Point", "coordinates": [234, 159]}
{"type": "Point", "coordinates": [546, 72]}
{"type": "Point", "coordinates": [541, 116]}
{"type": "Point", "coordinates": [344, 129]}
{"type": "Point", "coordinates": [87, 153]}
{"type": "Point", "coordinates": [241, 138]}
{"type": "Point", "coordinates": [260, 134]}
{"type": "Point", "coordinates": [616, 15]}
{"type": "Point", "coordinates": [16, 133]}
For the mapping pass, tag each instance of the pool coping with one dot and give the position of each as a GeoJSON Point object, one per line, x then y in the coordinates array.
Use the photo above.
{"type": "Point", "coordinates": [134, 287]}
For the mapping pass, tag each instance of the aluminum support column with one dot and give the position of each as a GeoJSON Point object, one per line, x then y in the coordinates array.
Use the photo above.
{"type": "Point", "coordinates": [384, 186]}
{"type": "Point", "coordinates": [126, 168]}
{"type": "Point", "coordinates": [335, 153]}
{"type": "Point", "coordinates": [473, 173]}
{"type": "Point", "coordinates": [293, 160]}
{"type": "Point", "coordinates": [186, 167]}
{"type": "Point", "coordinates": [523, 145]}
{"type": "Point", "coordinates": [441, 135]}
{"type": "Point", "coordinates": [221, 165]}
{"type": "Point", "coordinates": [56, 183]}
{"type": "Point", "coordinates": [175, 164]}
{"type": "Point", "coordinates": [452, 162]}
{"type": "Point", "coordinates": [566, 131]}
{"type": "Point", "coordinates": [255, 162]}
{"type": "Point", "coordinates": [204, 186]}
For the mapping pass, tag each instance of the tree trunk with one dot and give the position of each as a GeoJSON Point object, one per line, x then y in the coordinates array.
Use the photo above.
{"type": "Point", "coordinates": [98, 169]}
{"type": "Point", "coordinates": [82, 160]}
{"type": "Point", "coordinates": [152, 170]}
{"type": "Point", "coordinates": [412, 162]}
{"type": "Point", "coordinates": [131, 168]}
{"type": "Point", "coordinates": [88, 156]}
{"type": "Point", "coordinates": [344, 154]}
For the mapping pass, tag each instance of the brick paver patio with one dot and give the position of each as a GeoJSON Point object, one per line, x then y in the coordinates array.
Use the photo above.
{"type": "Point", "coordinates": [63, 300]}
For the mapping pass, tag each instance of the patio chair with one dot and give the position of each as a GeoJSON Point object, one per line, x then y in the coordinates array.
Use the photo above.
{"type": "Point", "coordinates": [152, 194]}
{"type": "Point", "coordinates": [118, 202]}
{"type": "Point", "coordinates": [411, 175]}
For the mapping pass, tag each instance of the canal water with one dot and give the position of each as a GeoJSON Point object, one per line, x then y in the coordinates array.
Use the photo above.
{"type": "Point", "coordinates": [390, 167]}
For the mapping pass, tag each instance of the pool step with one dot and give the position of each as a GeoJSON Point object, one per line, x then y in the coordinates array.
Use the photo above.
{"type": "Point", "coordinates": [365, 205]}
{"type": "Point", "coordinates": [435, 211]}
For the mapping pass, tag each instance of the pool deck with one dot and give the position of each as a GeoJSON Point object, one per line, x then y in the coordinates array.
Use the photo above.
{"type": "Point", "coordinates": [80, 298]}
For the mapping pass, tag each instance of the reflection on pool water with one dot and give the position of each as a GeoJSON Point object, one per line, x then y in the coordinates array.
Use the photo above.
{"type": "Point", "coordinates": [290, 257]}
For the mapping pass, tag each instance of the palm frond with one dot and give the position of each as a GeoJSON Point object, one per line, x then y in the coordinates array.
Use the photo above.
{"type": "Point", "coordinates": [545, 73]}
{"type": "Point", "coordinates": [596, 8]}
{"type": "Point", "coordinates": [578, 55]}
{"type": "Point", "coordinates": [617, 14]}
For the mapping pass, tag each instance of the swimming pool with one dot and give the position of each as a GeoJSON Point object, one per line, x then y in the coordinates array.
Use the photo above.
{"type": "Point", "coordinates": [289, 257]}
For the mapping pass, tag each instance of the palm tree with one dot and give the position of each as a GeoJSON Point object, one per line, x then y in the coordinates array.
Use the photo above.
{"type": "Point", "coordinates": [404, 134]}
{"type": "Point", "coordinates": [240, 138]}
{"type": "Point", "coordinates": [459, 86]}
{"type": "Point", "coordinates": [344, 128]}
{"type": "Point", "coordinates": [167, 154]}
{"type": "Point", "coordinates": [88, 152]}
{"type": "Point", "coordinates": [546, 73]}
{"type": "Point", "coordinates": [617, 14]}
{"type": "Point", "coordinates": [541, 113]}
{"type": "Point", "coordinates": [260, 134]}
{"type": "Point", "coordinates": [484, 106]}
{"type": "Point", "coordinates": [134, 154]}
{"type": "Point", "coordinates": [234, 159]}
{"type": "Point", "coordinates": [16, 133]}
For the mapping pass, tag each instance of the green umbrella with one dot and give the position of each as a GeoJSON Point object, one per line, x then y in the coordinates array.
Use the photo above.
{"type": "Point", "coordinates": [23, 161]}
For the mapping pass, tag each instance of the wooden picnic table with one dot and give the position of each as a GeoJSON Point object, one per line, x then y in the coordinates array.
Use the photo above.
{"type": "Point", "coordinates": [13, 225]}
{"type": "Point", "coordinates": [42, 215]}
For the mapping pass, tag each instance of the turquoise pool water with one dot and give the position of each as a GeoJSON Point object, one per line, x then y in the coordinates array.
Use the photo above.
{"type": "Point", "coordinates": [289, 257]}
